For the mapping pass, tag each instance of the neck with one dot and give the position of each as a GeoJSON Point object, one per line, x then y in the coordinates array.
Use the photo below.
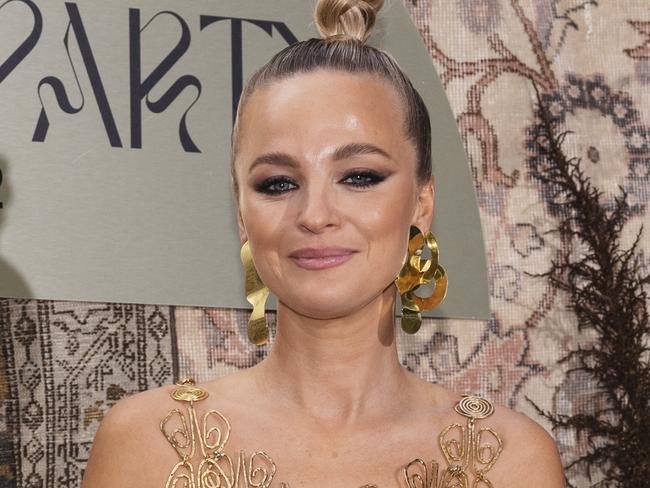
{"type": "Point", "coordinates": [339, 370]}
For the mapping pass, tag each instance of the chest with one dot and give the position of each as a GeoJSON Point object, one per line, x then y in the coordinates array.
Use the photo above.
{"type": "Point", "coordinates": [391, 467]}
{"type": "Point", "coordinates": [242, 451]}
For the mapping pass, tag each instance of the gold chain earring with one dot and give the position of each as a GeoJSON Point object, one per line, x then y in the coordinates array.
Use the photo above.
{"type": "Point", "coordinates": [418, 271]}
{"type": "Point", "coordinates": [256, 294]}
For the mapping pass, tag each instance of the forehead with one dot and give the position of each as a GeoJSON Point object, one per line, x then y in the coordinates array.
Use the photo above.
{"type": "Point", "coordinates": [308, 113]}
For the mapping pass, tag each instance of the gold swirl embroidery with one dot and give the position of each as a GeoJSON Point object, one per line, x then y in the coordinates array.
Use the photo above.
{"type": "Point", "coordinates": [466, 450]}
{"type": "Point", "coordinates": [216, 469]}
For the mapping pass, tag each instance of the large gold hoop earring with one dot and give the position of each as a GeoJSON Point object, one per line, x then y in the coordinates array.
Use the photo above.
{"type": "Point", "coordinates": [418, 271]}
{"type": "Point", "coordinates": [256, 294]}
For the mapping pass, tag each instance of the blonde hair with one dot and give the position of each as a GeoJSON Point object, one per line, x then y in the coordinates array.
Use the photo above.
{"type": "Point", "coordinates": [345, 19]}
{"type": "Point", "coordinates": [345, 26]}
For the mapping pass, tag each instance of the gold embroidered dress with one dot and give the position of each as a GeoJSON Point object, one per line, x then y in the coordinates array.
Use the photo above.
{"type": "Point", "coordinates": [470, 451]}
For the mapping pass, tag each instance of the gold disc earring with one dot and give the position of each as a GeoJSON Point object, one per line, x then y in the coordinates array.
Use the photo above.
{"type": "Point", "coordinates": [416, 272]}
{"type": "Point", "coordinates": [256, 294]}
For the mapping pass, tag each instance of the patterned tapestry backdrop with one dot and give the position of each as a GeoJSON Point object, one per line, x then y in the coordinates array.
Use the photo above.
{"type": "Point", "coordinates": [64, 364]}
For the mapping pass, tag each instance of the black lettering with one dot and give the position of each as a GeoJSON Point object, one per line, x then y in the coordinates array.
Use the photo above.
{"type": "Point", "coordinates": [140, 89]}
{"type": "Point", "coordinates": [96, 83]}
{"type": "Point", "coordinates": [27, 45]}
{"type": "Point", "coordinates": [237, 49]}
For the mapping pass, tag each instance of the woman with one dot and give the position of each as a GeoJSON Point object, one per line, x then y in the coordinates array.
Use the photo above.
{"type": "Point", "coordinates": [331, 169]}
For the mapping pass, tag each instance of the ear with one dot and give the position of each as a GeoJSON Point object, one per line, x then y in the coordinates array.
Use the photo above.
{"type": "Point", "coordinates": [425, 206]}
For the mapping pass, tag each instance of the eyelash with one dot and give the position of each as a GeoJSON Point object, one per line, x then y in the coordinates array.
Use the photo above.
{"type": "Point", "coordinates": [266, 185]}
{"type": "Point", "coordinates": [369, 178]}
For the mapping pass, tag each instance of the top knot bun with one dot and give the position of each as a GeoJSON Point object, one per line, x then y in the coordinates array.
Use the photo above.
{"type": "Point", "coordinates": [346, 19]}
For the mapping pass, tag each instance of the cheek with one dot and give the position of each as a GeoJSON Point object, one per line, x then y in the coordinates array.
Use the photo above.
{"type": "Point", "coordinates": [385, 224]}
{"type": "Point", "coordinates": [264, 229]}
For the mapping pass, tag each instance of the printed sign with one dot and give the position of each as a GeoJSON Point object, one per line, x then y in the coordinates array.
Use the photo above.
{"type": "Point", "coordinates": [115, 139]}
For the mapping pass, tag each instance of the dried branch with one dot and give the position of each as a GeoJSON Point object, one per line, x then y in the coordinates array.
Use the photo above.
{"type": "Point", "coordinates": [607, 292]}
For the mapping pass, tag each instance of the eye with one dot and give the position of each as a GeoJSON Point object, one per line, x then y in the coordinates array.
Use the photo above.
{"type": "Point", "coordinates": [363, 179]}
{"type": "Point", "coordinates": [275, 185]}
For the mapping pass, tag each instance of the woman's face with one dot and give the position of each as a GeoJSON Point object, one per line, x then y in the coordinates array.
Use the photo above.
{"type": "Point", "coordinates": [328, 190]}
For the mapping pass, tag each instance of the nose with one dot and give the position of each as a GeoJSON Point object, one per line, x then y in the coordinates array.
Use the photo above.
{"type": "Point", "coordinates": [317, 209]}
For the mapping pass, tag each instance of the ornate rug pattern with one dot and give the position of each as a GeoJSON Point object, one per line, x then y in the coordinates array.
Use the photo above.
{"type": "Point", "coordinates": [63, 364]}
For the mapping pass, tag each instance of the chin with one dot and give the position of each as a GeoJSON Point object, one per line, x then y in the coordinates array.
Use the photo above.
{"type": "Point", "coordinates": [329, 306]}
{"type": "Point", "coordinates": [318, 306]}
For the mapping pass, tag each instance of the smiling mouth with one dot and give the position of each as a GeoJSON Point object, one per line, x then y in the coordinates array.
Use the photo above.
{"type": "Point", "coordinates": [315, 259]}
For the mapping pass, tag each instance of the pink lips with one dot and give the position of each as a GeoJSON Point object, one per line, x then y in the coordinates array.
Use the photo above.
{"type": "Point", "coordinates": [321, 258]}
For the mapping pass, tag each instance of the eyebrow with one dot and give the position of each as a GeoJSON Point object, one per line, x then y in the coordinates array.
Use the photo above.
{"type": "Point", "coordinates": [356, 149]}
{"type": "Point", "coordinates": [343, 152]}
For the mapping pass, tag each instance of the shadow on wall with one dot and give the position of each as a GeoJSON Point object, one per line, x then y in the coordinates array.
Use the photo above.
{"type": "Point", "coordinates": [12, 284]}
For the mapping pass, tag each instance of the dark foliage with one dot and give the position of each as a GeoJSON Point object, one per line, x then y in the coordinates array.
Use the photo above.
{"type": "Point", "coordinates": [608, 294]}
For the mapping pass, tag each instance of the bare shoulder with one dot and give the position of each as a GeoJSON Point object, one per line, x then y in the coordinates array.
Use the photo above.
{"type": "Point", "coordinates": [530, 456]}
{"type": "Point", "coordinates": [132, 417]}
{"type": "Point", "coordinates": [129, 448]}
